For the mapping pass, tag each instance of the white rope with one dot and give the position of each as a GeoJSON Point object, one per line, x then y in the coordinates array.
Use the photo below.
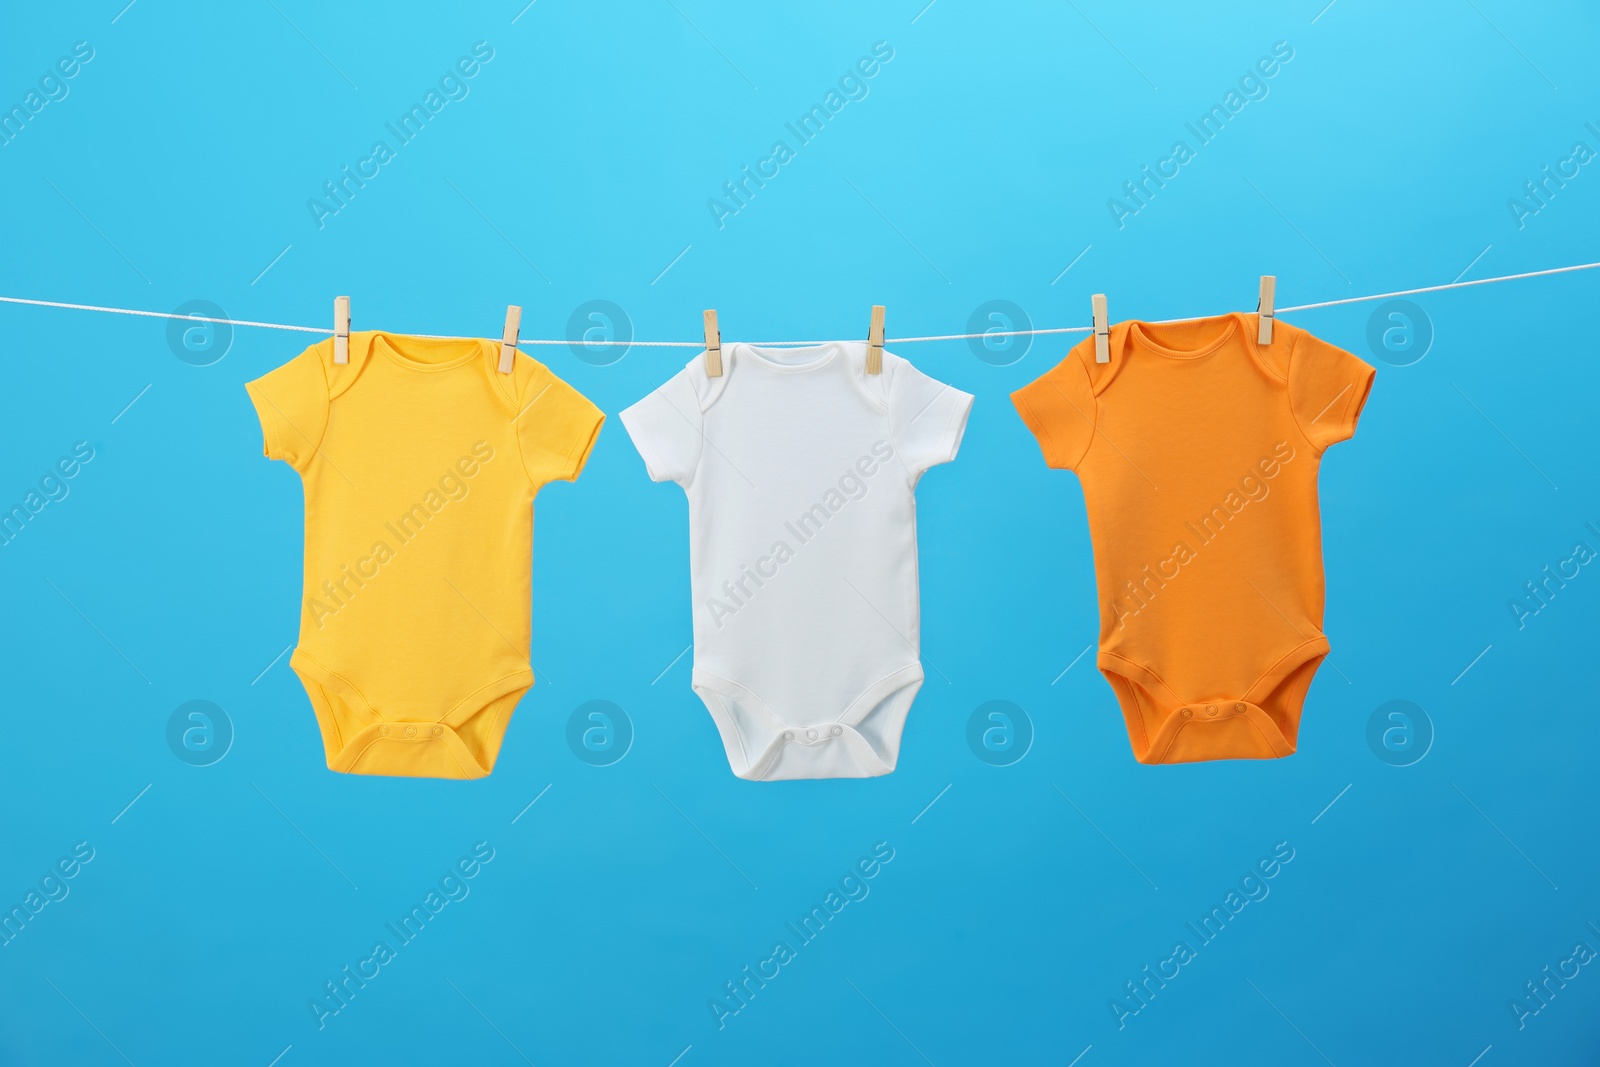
{"type": "Point", "coordinates": [887, 340]}
{"type": "Point", "coordinates": [1279, 311]}
{"type": "Point", "coordinates": [160, 314]}
{"type": "Point", "coordinates": [1451, 285]}
{"type": "Point", "coordinates": [630, 344]}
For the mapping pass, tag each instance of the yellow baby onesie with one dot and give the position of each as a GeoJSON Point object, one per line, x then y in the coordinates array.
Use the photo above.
{"type": "Point", "coordinates": [420, 462]}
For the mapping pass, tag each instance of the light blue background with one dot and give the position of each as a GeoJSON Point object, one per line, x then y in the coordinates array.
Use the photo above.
{"type": "Point", "coordinates": [178, 167]}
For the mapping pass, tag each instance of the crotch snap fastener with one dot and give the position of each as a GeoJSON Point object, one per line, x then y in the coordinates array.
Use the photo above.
{"type": "Point", "coordinates": [811, 735]}
{"type": "Point", "coordinates": [1211, 709]}
{"type": "Point", "coordinates": [788, 735]}
{"type": "Point", "coordinates": [1187, 713]}
{"type": "Point", "coordinates": [383, 731]}
{"type": "Point", "coordinates": [1239, 708]}
{"type": "Point", "coordinates": [438, 731]}
{"type": "Point", "coordinates": [836, 731]}
{"type": "Point", "coordinates": [411, 731]}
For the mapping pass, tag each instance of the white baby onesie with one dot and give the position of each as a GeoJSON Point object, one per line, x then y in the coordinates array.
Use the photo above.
{"type": "Point", "coordinates": [800, 470]}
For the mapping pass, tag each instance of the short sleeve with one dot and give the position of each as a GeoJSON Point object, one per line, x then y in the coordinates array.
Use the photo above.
{"type": "Point", "coordinates": [292, 404]}
{"type": "Point", "coordinates": [556, 427]}
{"type": "Point", "coordinates": [927, 417]}
{"type": "Point", "coordinates": [1328, 388]}
{"type": "Point", "coordinates": [1058, 407]}
{"type": "Point", "coordinates": [666, 428]}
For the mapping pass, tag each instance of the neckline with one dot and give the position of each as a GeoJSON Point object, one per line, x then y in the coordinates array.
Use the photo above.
{"type": "Point", "coordinates": [781, 359]}
{"type": "Point", "coordinates": [390, 344]}
{"type": "Point", "coordinates": [1140, 332]}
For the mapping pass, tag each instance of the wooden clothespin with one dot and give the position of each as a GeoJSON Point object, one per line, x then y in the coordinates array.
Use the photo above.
{"type": "Point", "coordinates": [713, 345]}
{"type": "Point", "coordinates": [341, 329]}
{"type": "Point", "coordinates": [1264, 312]}
{"type": "Point", "coordinates": [1102, 328]}
{"type": "Point", "coordinates": [508, 338]}
{"type": "Point", "coordinates": [875, 341]}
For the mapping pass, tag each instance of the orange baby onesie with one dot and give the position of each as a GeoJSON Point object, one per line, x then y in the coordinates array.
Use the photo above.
{"type": "Point", "coordinates": [420, 462]}
{"type": "Point", "coordinates": [1198, 451]}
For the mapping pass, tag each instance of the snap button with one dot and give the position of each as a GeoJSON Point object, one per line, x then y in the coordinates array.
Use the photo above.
{"type": "Point", "coordinates": [1211, 710]}
{"type": "Point", "coordinates": [411, 731]}
{"type": "Point", "coordinates": [1187, 713]}
{"type": "Point", "coordinates": [788, 735]}
{"type": "Point", "coordinates": [811, 735]}
{"type": "Point", "coordinates": [836, 731]}
{"type": "Point", "coordinates": [1239, 708]}
{"type": "Point", "coordinates": [383, 731]}
{"type": "Point", "coordinates": [438, 731]}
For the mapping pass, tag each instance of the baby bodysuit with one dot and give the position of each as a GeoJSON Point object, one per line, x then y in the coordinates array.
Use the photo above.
{"type": "Point", "coordinates": [1198, 450]}
{"type": "Point", "coordinates": [800, 471]}
{"type": "Point", "coordinates": [420, 462]}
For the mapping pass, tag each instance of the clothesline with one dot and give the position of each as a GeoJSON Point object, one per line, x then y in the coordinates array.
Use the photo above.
{"type": "Point", "coordinates": [887, 340]}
